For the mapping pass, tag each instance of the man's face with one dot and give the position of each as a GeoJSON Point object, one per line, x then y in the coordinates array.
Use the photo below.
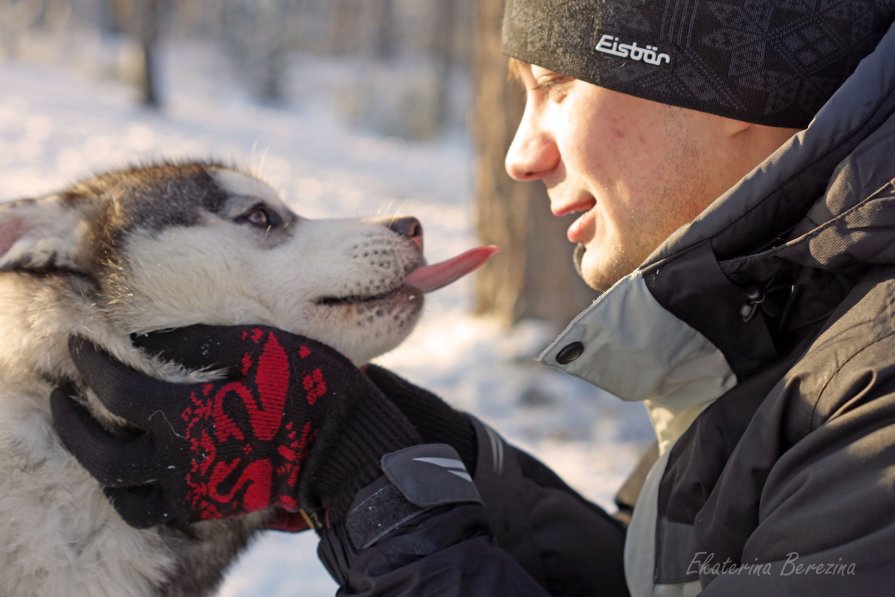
{"type": "Point", "coordinates": [635, 170]}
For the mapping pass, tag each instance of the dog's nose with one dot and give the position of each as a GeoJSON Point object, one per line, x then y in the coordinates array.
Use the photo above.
{"type": "Point", "coordinates": [409, 227]}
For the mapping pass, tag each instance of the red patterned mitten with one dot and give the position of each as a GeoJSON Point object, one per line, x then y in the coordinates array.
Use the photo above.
{"type": "Point", "coordinates": [236, 445]}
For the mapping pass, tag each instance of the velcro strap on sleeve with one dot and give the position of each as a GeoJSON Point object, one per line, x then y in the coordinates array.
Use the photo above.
{"type": "Point", "coordinates": [416, 479]}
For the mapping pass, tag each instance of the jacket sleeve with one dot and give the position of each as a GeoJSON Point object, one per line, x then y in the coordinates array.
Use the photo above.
{"type": "Point", "coordinates": [826, 524]}
{"type": "Point", "coordinates": [532, 535]}
{"type": "Point", "coordinates": [568, 544]}
{"type": "Point", "coordinates": [446, 552]}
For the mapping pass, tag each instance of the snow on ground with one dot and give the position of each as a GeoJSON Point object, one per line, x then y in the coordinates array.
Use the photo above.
{"type": "Point", "coordinates": [57, 125]}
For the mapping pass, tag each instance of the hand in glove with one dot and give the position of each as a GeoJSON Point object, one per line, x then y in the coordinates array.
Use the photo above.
{"type": "Point", "coordinates": [292, 425]}
{"type": "Point", "coordinates": [435, 420]}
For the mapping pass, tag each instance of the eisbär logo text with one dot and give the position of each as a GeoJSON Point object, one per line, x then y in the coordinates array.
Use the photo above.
{"type": "Point", "coordinates": [609, 44]}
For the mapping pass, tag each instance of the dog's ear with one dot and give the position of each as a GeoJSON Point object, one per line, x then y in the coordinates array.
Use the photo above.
{"type": "Point", "coordinates": [43, 234]}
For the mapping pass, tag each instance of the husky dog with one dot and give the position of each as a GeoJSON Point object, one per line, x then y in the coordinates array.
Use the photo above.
{"type": "Point", "coordinates": [159, 247]}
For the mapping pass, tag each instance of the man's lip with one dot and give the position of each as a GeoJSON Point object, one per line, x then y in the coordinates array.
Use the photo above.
{"type": "Point", "coordinates": [584, 205]}
{"type": "Point", "coordinates": [578, 232]}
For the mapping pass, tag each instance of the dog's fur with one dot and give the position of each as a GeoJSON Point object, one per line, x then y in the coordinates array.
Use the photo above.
{"type": "Point", "coordinates": [144, 249]}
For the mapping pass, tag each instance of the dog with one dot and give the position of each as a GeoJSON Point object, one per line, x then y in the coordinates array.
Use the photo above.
{"type": "Point", "coordinates": [156, 247]}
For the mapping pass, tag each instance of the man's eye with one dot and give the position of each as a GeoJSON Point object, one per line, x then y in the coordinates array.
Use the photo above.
{"type": "Point", "coordinates": [553, 83]}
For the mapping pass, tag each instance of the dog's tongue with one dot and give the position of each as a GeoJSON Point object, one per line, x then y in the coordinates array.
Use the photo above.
{"type": "Point", "coordinates": [427, 278]}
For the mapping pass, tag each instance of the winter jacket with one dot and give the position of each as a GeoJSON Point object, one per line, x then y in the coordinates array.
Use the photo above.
{"type": "Point", "coordinates": [761, 339]}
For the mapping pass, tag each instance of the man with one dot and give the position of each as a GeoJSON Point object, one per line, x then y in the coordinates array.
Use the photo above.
{"type": "Point", "coordinates": [760, 335]}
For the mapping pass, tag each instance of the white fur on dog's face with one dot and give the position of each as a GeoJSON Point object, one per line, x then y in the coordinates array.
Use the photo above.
{"type": "Point", "coordinates": [176, 245]}
{"type": "Point", "coordinates": [305, 276]}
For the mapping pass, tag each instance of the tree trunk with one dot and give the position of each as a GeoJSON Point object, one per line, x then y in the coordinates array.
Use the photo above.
{"type": "Point", "coordinates": [443, 52]}
{"type": "Point", "coordinates": [344, 27]}
{"type": "Point", "coordinates": [533, 277]}
{"type": "Point", "coordinates": [145, 17]}
{"type": "Point", "coordinates": [383, 30]}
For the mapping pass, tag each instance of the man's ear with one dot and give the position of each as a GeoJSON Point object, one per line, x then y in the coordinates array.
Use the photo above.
{"type": "Point", "coordinates": [45, 233]}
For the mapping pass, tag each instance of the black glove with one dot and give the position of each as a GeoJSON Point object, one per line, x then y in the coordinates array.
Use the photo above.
{"type": "Point", "coordinates": [436, 421]}
{"type": "Point", "coordinates": [293, 425]}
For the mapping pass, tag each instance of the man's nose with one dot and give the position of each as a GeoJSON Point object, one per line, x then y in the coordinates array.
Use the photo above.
{"type": "Point", "coordinates": [533, 152]}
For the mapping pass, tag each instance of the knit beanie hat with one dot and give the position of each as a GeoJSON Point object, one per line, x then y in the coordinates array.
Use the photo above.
{"type": "Point", "coordinates": [772, 62]}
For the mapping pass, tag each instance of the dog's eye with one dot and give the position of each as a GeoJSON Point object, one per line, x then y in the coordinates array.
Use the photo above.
{"type": "Point", "coordinates": [261, 217]}
{"type": "Point", "coordinates": [258, 216]}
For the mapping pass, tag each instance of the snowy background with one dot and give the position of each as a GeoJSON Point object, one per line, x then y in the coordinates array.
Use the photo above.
{"type": "Point", "coordinates": [62, 118]}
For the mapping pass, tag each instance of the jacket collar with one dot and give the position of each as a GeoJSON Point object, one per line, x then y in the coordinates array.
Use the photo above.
{"type": "Point", "coordinates": [629, 345]}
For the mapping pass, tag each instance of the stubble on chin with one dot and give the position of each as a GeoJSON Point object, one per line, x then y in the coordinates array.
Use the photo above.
{"type": "Point", "coordinates": [601, 281]}
{"type": "Point", "coordinates": [578, 257]}
{"type": "Point", "coordinates": [594, 282]}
